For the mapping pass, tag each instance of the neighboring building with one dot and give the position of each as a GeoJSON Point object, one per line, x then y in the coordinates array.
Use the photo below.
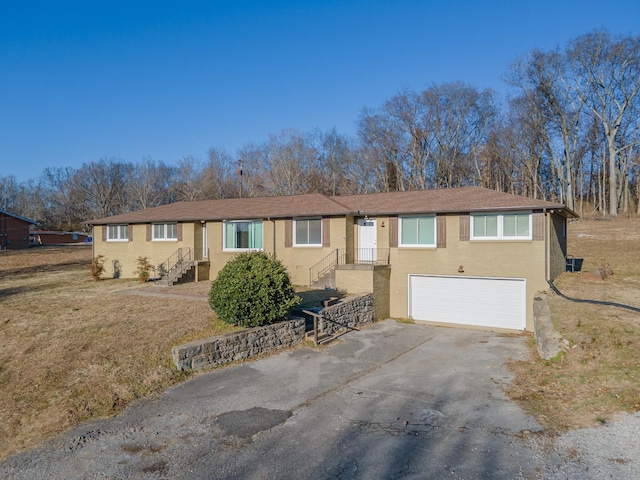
{"type": "Point", "coordinates": [468, 255]}
{"type": "Point", "coordinates": [49, 237]}
{"type": "Point", "coordinates": [14, 231]}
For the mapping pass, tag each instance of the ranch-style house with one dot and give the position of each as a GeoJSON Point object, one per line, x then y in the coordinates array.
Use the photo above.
{"type": "Point", "coordinates": [467, 256]}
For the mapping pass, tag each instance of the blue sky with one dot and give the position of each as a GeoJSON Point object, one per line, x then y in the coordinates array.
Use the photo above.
{"type": "Point", "coordinates": [82, 80]}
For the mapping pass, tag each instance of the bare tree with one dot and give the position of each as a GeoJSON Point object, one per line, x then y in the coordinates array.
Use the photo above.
{"type": "Point", "coordinates": [219, 177]}
{"type": "Point", "coordinates": [284, 162]}
{"type": "Point", "coordinates": [334, 171]}
{"type": "Point", "coordinates": [429, 139]}
{"type": "Point", "coordinates": [608, 81]}
{"type": "Point", "coordinates": [149, 184]}
{"type": "Point", "coordinates": [382, 142]}
{"type": "Point", "coordinates": [463, 116]}
{"type": "Point", "coordinates": [545, 80]}
{"type": "Point", "coordinates": [8, 191]}
{"type": "Point", "coordinates": [188, 180]}
{"type": "Point", "coordinates": [63, 205]}
{"type": "Point", "coordinates": [103, 185]}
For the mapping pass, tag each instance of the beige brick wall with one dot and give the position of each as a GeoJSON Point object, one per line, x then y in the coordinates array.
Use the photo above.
{"type": "Point", "coordinates": [381, 306]}
{"type": "Point", "coordinates": [298, 260]}
{"type": "Point", "coordinates": [358, 279]}
{"type": "Point", "coordinates": [354, 280]}
{"type": "Point", "coordinates": [126, 253]}
{"type": "Point", "coordinates": [557, 245]}
{"type": "Point", "coordinates": [513, 259]}
{"type": "Point", "coordinates": [510, 259]}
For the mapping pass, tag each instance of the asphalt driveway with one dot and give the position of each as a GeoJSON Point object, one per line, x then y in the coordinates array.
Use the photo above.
{"type": "Point", "coordinates": [389, 401]}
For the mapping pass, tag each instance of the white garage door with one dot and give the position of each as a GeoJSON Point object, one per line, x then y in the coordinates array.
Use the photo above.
{"type": "Point", "coordinates": [486, 302]}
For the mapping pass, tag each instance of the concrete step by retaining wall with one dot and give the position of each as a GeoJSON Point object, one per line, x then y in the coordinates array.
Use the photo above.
{"type": "Point", "coordinates": [549, 342]}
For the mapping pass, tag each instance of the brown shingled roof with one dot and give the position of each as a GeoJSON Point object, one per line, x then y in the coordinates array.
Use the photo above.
{"type": "Point", "coordinates": [445, 200]}
{"type": "Point", "coordinates": [233, 208]}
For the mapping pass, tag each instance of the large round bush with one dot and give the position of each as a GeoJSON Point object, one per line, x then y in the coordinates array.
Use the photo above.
{"type": "Point", "coordinates": [253, 289]}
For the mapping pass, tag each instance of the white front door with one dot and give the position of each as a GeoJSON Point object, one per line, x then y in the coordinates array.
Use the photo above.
{"type": "Point", "coordinates": [367, 241]}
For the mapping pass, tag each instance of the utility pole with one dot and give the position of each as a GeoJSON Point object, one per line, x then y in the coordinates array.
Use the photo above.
{"type": "Point", "coordinates": [239, 172]}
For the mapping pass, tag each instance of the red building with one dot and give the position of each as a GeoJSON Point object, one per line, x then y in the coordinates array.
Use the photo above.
{"type": "Point", "coordinates": [14, 231]}
{"type": "Point", "coordinates": [48, 237]}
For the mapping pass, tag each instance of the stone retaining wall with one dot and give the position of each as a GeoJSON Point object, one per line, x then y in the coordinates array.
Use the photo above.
{"type": "Point", "coordinates": [238, 345]}
{"type": "Point", "coordinates": [548, 340]}
{"type": "Point", "coordinates": [349, 313]}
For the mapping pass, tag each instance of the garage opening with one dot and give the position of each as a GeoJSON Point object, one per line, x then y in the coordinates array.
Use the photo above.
{"type": "Point", "coordinates": [477, 301]}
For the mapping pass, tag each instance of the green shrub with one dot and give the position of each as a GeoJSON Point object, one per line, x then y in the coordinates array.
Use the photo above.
{"type": "Point", "coordinates": [253, 289]}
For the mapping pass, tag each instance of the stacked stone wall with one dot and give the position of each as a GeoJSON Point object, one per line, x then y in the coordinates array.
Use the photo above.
{"type": "Point", "coordinates": [548, 340]}
{"type": "Point", "coordinates": [236, 346]}
{"type": "Point", "coordinates": [349, 313]}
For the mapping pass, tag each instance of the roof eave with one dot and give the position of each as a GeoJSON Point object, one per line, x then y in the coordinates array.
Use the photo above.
{"type": "Point", "coordinates": [116, 221]}
{"type": "Point", "coordinates": [19, 217]}
{"type": "Point", "coordinates": [559, 208]}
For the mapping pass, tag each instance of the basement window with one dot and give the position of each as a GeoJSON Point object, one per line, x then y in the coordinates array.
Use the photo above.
{"type": "Point", "coordinates": [503, 226]}
{"type": "Point", "coordinates": [308, 232]}
{"type": "Point", "coordinates": [418, 231]}
{"type": "Point", "coordinates": [117, 233]}
{"type": "Point", "coordinates": [164, 231]}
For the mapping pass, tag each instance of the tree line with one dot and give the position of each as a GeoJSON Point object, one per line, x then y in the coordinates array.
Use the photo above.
{"type": "Point", "coordinates": [568, 132]}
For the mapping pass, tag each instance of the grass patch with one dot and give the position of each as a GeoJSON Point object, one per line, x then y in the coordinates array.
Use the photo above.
{"type": "Point", "coordinates": [408, 321]}
{"type": "Point", "coordinates": [74, 349]}
{"type": "Point", "coordinates": [599, 375]}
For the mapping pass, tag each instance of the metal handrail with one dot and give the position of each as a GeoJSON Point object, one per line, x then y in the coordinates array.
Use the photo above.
{"type": "Point", "coordinates": [165, 267]}
{"type": "Point", "coordinates": [317, 317]}
{"type": "Point", "coordinates": [372, 256]}
{"type": "Point", "coordinates": [179, 258]}
{"type": "Point", "coordinates": [326, 264]}
{"type": "Point", "coordinates": [363, 256]}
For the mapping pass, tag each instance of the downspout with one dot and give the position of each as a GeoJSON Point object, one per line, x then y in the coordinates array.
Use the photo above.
{"type": "Point", "coordinates": [546, 245]}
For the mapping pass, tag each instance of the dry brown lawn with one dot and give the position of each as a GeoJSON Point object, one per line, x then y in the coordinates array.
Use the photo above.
{"type": "Point", "coordinates": [72, 348]}
{"type": "Point", "coordinates": [599, 376]}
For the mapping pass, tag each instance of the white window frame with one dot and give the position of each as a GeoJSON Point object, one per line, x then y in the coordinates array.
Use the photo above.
{"type": "Point", "coordinates": [226, 248]}
{"type": "Point", "coordinates": [501, 235]}
{"type": "Point", "coordinates": [121, 231]}
{"type": "Point", "coordinates": [295, 231]}
{"type": "Point", "coordinates": [164, 237]}
{"type": "Point", "coordinates": [417, 245]}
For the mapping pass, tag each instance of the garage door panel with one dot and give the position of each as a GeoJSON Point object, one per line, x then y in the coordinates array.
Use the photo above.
{"type": "Point", "coordinates": [479, 301]}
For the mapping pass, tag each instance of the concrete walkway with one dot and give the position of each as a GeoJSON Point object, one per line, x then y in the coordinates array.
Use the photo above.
{"type": "Point", "coordinates": [162, 292]}
{"type": "Point", "coordinates": [389, 401]}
